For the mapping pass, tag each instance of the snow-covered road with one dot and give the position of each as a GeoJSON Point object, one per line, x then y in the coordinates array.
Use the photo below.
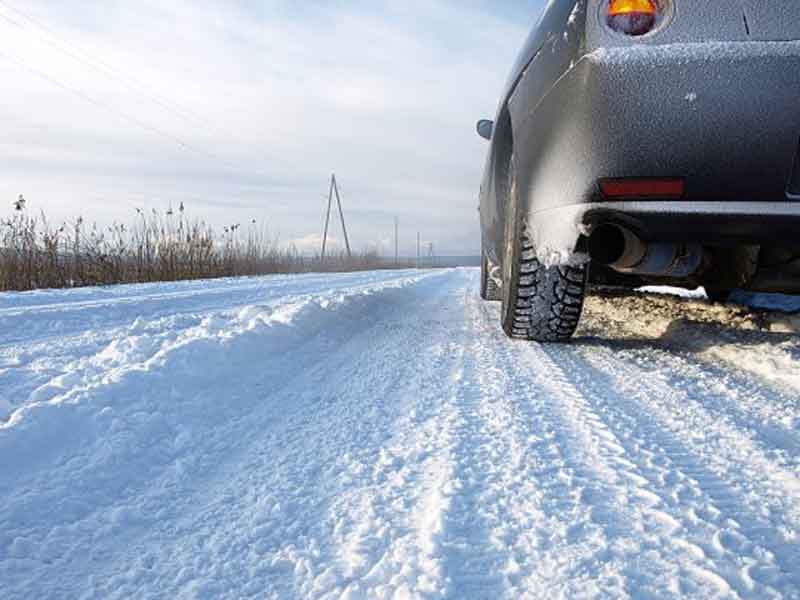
{"type": "Point", "coordinates": [376, 436]}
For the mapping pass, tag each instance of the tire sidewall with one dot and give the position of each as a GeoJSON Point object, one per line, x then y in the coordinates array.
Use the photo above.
{"type": "Point", "coordinates": [511, 251]}
{"type": "Point", "coordinates": [484, 275]}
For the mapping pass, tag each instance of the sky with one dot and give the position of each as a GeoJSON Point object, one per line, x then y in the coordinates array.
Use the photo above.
{"type": "Point", "coordinates": [242, 109]}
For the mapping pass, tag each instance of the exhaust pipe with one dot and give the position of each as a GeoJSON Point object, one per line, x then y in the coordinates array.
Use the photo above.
{"type": "Point", "coordinates": [622, 250]}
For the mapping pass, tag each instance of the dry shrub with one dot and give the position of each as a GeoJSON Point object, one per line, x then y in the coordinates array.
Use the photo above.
{"type": "Point", "coordinates": [156, 247]}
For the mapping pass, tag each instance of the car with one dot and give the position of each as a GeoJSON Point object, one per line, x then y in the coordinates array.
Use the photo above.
{"type": "Point", "coordinates": [643, 142]}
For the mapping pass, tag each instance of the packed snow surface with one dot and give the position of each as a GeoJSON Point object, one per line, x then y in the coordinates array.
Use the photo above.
{"type": "Point", "coordinates": [377, 436]}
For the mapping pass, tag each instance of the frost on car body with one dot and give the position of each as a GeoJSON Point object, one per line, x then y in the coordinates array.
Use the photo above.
{"type": "Point", "coordinates": [669, 155]}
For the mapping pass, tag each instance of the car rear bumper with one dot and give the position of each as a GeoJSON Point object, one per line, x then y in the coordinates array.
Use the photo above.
{"type": "Point", "coordinates": [558, 230]}
{"type": "Point", "coordinates": [724, 116]}
{"type": "Point", "coordinates": [714, 223]}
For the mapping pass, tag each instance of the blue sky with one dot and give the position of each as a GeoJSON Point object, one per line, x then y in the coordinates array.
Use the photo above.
{"type": "Point", "coordinates": [241, 110]}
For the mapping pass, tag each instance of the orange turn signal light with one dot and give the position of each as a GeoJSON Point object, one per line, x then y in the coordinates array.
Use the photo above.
{"type": "Point", "coordinates": [624, 7]}
{"type": "Point", "coordinates": [672, 188]}
{"type": "Point", "coordinates": [632, 17]}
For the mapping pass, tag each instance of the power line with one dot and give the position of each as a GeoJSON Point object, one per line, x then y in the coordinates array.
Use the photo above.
{"type": "Point", "coordinates": [121, 114]}
{"type": "Point", "coordinates": [99, 104]}
{"type": "Point", "coordinates": [98, 65]}
{"type": "Point", "coordinates": [109, 71]}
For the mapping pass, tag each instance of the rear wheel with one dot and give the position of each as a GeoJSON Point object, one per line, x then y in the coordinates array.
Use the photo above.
{"type": "Point", "coordinates": [540, 303]}
{"type": "Point", "coordinates": [489, 289]}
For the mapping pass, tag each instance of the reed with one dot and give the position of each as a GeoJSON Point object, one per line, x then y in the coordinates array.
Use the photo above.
{"type": "Point", "coordinates": [156, 246]}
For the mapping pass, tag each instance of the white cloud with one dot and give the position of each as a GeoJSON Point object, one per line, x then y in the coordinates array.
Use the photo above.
{"type": "Point", "coordinates": [311, 244]}
{"type": "Point", "coordinates": [270, 97]}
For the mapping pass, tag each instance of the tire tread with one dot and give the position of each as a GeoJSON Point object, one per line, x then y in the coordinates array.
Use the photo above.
{"type": "Point", "coordinates": [549, 300]}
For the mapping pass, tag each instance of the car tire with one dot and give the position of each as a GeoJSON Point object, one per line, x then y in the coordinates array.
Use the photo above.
{"type": "Point", "coordinates": [540, 303]}
{"type": "Point", "coordinates": [490, 291]}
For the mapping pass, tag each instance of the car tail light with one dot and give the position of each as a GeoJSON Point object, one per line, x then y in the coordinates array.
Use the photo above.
{"type": "Point", "coordinates": [654, 188]}
{"type": "Point", "coordinates": [632, 17]}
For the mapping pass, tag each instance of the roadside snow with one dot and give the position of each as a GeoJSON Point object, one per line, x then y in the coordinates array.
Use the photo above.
{"type": "Point", "coordinates": [375, 435]}
{"type": "Point", "coordinates": [777, 303]}
{"type": "Point", "coordinates": [5, 408]}
{"type": "Point", "coordinates": [762, 343]}
{"type": "Point", "coordinates": [673, 291]}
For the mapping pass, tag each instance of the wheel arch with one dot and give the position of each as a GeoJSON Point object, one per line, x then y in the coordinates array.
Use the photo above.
{"type": "Point", "coordinates": [503, 152]}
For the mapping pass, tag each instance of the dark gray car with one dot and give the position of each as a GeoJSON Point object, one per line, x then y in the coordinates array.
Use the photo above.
{"type": "Point", "coordinates": [643, 142]}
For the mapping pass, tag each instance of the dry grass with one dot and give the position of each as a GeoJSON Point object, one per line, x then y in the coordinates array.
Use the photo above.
{"type": "Point", "coordinates": [157, 246]}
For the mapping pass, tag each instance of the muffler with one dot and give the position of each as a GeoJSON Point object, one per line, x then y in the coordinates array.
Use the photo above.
{"type": "Point", "coordinates": [622, 250]}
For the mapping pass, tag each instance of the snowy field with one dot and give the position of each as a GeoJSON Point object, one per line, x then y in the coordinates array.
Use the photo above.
{"type": "Point", "coordinates": [376, 436]}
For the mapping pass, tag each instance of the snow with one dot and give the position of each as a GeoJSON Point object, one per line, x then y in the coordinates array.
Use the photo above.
{"type": "Point", "coordinates": [778, 303]}
{"type": "Point", "coordinates": [673, 291]}
{"type": "Point", "coordinates": [696, 52]}
{"type": "Point", "coordinates": [375, 435]}
{"type": "Point", "coordinates": [575, 14]}
{"type": "Point", "coordinates": [5, 408]}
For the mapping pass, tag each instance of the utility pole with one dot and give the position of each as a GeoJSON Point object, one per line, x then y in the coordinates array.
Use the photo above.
{"type": "Point", "coordinates": [334, 190]}
{"type": "Point", "coordinates": [341, 216]}
{"type": "Point", "coordinates": [327, 221]}
{"type": "Point", "coordinates": [396, 242]}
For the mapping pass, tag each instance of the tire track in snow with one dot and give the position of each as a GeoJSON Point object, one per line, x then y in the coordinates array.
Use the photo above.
{"type": "Point", "coordinates": [728, 449]}
{"type": "Point", "coordinates": [389, 542]}
{"type": "Point", "coordinates": [545, 505]}
{"type": "Point", "coordinates": [767, 410]}
{"type": "Point", "coordinates": [472, 556]}
{"type": "Point", "coordinates": [727, 521]}
{"type": "Point", "coordinates": [628, 532]}
{"type": "Point", "coordinates": [768, 417]}
{"type": "Point", "coordinates": [623, 502]}
{"type": "Point", "coordinates": [530, 502]}
{"type": "Point", "coordinates": [389, 520]}
{"type": "Point", "coordinates": [534, 513]}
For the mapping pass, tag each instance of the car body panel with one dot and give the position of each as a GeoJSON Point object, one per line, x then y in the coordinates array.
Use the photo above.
{"type": "Point", "coordinates": [772, 21]}
{"type": "Point", "coordinates": [729, 135]}
{"type": "Point", "coordinates": [699, 99]}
